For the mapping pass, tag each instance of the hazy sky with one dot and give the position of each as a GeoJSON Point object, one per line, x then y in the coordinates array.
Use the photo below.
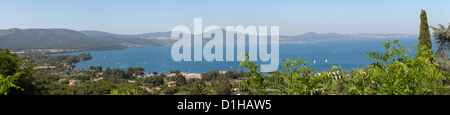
{"type": "Point", "coordinates": [292, 16]}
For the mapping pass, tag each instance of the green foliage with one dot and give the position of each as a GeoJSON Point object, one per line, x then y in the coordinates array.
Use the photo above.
{"type": "Point", "coordinates": [210, 75]}
{"type": "Point", "coordinates": [15, 75]}
{"type": "Point", "coordinates": [396, 74]}
{"type": "Point", "coordinates": [198, 87]}
{"type": "Point", "coordinates": [55, 60]}
{"type": "Point", "coordinates": [127, 92]}
{"type": "Point", "coordinates": [222, 85]}
{"type": "Point", "coordinates": [128, 89]}
{"type": "Point", "coordinates": [399, 74]}
{"type": "Point", "coordinates": [169, 91]}
{"type": "Point", "coordinates": [151, 81]}
{"type": "Point", "coordinates": [177, 71]}
{"type": "Point", "coordinates": [442, 37]}
{"type": "Point", "coordinates": [46, 78]}
{"type": "Point", "coordinates": [101, 87]}
{"type": "Point", "coordinates": [92, 68]}
{"type": "Point", "coordinates": [234, 74]}
{"type": "Point", "coordinates": [5, 84]}
{"type": "Point", "coordinates": [424, 34]}
{"type": "Point", "coordinates": [99, 68]}
{"type": "Point", "coordinates": [180, 79]}
{"type": "Point", "coordinates": [256, 79]}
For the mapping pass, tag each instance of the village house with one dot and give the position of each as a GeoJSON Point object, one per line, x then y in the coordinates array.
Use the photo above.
{"type": "Point", "coordinates": [45, 67]}
{"type": "Point", "coordinates": [145, 75]}
{"type": "Point", "coordinates": [172, 75]}
{"type": "Point", "coordinates": [98, 79]}
{"type": "Point", "coordinates": [99, 74]}
{"type": "Point", "coordinates": [150, 90]}
{"type": "Point", "coordinates": [184, 74]}
{"type": "Point", "coordinates": [153, 89]}
{"type": "Point", "coordinates": [73, 82]}
{"type": "Point", "coordinates": [222, 72]}
{"type": "Point", "coordinates": [193, 75]}
{"type": "Point", "coordinates": [172, 84]}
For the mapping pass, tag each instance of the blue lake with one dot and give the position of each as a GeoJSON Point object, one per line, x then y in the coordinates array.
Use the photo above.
{"type": "Point", "coordinates": [348, 54]}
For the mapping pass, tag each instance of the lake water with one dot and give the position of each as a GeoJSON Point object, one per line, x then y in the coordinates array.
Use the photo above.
{"type": "Point", "coordinates": [349, 54]}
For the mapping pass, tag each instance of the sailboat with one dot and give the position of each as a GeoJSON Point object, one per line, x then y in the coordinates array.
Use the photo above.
{"type": "Point", "coordinates": [314, 61]}
{"type": "Point", "coordinates": [326, 60]}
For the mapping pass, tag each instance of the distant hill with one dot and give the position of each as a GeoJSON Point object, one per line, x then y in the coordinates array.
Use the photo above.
{"type": "Point", "coordinates": [23, 39]}
{"type": "Point", "coordinates": [124, 40]}
{"type": "Point", "coordinates": [317, 37]}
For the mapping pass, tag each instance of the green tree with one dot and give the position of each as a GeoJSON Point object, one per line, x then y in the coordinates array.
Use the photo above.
{"type": "Point", "coordinates": [399, 73]}
{"type": "Point", "coordinates": [424, 34]}
{"type": "Point", "coordinates": [45, 78]}
{"type": "Point", "coordinates": [210, 75]}
{"type": "Point", "coordinates": [233, 74]}
{"type": "Point", "coordinates": [16, 75]}
{"type": "Point", "coordinates": [129, 89]}
{"type": "Point", "coordinates": [180, 79]}
{"type": "Point", "coordinates": [442, 37]}
{"type": "Point", "coordinates": [222, 85]}
{"type": "Point", "coordinates": [99, 68]}
{"type": "Point", "coordinates": [169, 90]}
{"type": "Point", "coordinates": [92, 68]}
{"type": "Point", "coordinates": [155, 73]}
{"type": "Point", "coordinates": [101, 87]}
{"type": "Point", "coordinates": [163, 75]}
{"type": "Point", "coordinates": [198, 87]}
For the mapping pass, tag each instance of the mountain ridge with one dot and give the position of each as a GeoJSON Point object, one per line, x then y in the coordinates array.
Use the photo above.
{"type": "Point", "coordinates": [54, 38]}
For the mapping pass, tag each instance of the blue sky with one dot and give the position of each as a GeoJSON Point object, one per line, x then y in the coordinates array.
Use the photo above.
{"type": "Point", "coordinates": [293, 16]}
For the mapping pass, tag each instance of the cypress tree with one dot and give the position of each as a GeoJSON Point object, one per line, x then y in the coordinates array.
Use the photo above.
{"type": "Point", "coordinates": [424, 34]}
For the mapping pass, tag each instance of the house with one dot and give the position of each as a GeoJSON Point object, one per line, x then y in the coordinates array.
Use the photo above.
{"type": "Point", "coordinates": [99, 74]}
{"type": "Point", "coordinates": [172, 84]}
{"type": "Point", "coordinates": [193, 75]}
{"type": "Point", "coordinates": [153, 89]}
{"type": "Point", "coordinates": [172, 75]}
{"type": "Point", "coordinates": [184, 74]}
{"type": "Point", "coordinates": [149, 75]}
{"type": "Point", "coordinates": [98, 79]}
{"type": "Point", "coordinates": [150, 90]}
{"type": "Point", "coordinates": [222, 72]}
{"type": "Point", "coordinates": [45, 67]}
{"type": "Point", "coordinates": [73, 82]}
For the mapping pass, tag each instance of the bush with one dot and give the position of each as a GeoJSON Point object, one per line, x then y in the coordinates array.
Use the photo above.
{"type": "Point", "coordinates": [396, 74]}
